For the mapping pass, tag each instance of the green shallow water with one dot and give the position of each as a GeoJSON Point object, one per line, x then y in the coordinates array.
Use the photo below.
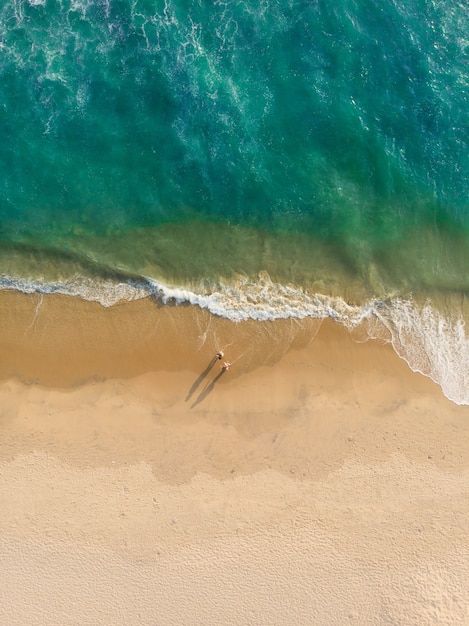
{"type": "Point", "coordinates": [201, 254]}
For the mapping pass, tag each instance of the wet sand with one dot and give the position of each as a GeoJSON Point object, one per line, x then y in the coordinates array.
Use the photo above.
{"type": "Point", "coordinates": [318, 481]}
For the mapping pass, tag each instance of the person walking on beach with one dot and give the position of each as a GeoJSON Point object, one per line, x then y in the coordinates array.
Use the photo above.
{"type": "Point", "coordinates": [226, 366]}
{"type": "Point", "coordinates": [219, 355]}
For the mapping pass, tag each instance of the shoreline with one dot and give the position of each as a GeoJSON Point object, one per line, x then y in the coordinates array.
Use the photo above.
{"type": "Point", "coordinates": [41, 330]}
{"type": "Point", "coordinates": [318, 480]}
{"type": "Point", "coordinates": [64, 341]}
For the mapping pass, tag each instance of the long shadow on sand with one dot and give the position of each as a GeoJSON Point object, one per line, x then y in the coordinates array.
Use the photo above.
{"type": "Point", "coordinates": [208, 388]}
{"type": "Point", "coordinates": [201, 378]}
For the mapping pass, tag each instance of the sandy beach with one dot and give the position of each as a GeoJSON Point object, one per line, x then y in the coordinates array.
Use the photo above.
{"type": "Point", "coordinates": [318, 481]}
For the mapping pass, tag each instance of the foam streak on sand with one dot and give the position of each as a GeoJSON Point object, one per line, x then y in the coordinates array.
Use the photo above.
{"type": "Point", "coordinates": [431, 342]}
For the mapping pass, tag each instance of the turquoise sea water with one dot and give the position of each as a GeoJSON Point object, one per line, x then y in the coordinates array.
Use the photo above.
{"type": "Point", "coordinates": [265, 159]}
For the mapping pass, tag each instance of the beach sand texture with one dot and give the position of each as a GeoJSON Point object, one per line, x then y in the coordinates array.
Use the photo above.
{"type": "Point", "coordinates": [318, 481]}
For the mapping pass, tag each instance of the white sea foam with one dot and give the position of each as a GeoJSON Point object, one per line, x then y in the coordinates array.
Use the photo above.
{"type": "Point", "coordinates": [431, 343]}
{"type": "Point", "coordinates": [107, 293]}
{"type": "Point", "coordinates": [428, 341]}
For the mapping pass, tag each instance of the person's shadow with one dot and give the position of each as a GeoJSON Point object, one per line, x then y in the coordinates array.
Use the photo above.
{"type": "Point", "coordinates": [201, 377]}
{"type": "Point", "coordinates": [208, 388]}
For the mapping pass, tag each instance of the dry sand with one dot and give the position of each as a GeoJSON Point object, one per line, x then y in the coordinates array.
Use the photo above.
{"type": "Point", "coordinates": [316, 482]}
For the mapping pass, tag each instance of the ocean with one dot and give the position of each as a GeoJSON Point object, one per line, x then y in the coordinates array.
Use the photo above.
{"type": "Point", "coordinates": [264, 159]}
